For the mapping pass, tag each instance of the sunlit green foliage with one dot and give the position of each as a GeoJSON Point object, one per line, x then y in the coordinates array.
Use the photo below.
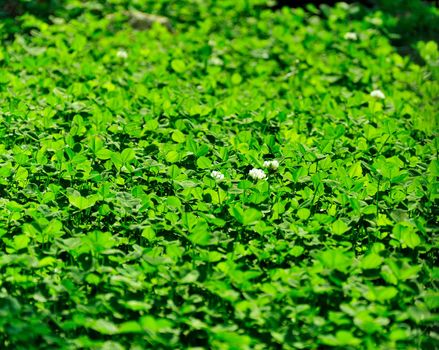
{"type": "Point", "coordinates": [115, 235]}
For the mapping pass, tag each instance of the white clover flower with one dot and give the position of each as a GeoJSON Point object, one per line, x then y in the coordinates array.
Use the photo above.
{"type": "Point", "coordinates": [122, 54]}
{"type": "Point", "coordinates": [350, 36]}
{"type": "Point", "coordinates": [217, 175]}
{"type": "Point", "coordinates": [378, 94]}
{"type": "Point", "coordinates": [272, 164]}
{"type": "Point", "coordinates": [257, 174]}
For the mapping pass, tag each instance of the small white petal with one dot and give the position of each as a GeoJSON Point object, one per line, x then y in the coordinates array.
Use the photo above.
{"type": "Point", "coordinates": [350, 36]}
{"type": "Point", "coordinates": [122, 54]}
{"type": "Point", "coordinates": [378, 94]}
{"type": "Point", "coordinates": [257, 174]}
{"type": "Point", "coordinates": [217, 175]}
{"type": "Point", "coordinates": [274, 164]}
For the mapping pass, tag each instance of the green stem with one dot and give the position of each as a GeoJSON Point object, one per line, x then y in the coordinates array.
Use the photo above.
{"type": "Point", "coordinates": [376, 197]}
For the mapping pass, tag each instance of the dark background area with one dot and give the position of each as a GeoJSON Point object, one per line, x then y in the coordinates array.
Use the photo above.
{"type": "Point", "coordinates": [44, 8]}
{"type": "Point", "coordinates": [13, 8]}
{"type": "Point", "coordinates": [406, 21]}
{"type": "Point", "coordinates": [300, 3]}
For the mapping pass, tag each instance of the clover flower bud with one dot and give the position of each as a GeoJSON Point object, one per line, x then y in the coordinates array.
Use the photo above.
{"type": "Point", "coordinates": [122, 54]}
{"type": "Point", "coordinates": [257, 174]}
{"type": "Point", "coordinates": [351, 36]}
{"type": "Point", "coordinates": [217, 175]}
{"type": "Point", "coordinates": [378, 94]}
{"type": "Point", "coordinates": [272, 164]}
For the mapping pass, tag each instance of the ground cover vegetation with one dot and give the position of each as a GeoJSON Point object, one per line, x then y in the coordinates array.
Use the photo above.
{"type": "Point", "coordinates": [229, 176]}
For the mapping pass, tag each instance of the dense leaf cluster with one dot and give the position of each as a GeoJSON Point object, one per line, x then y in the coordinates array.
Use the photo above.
{"type": "Point", "coordinates": [115, 235]}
